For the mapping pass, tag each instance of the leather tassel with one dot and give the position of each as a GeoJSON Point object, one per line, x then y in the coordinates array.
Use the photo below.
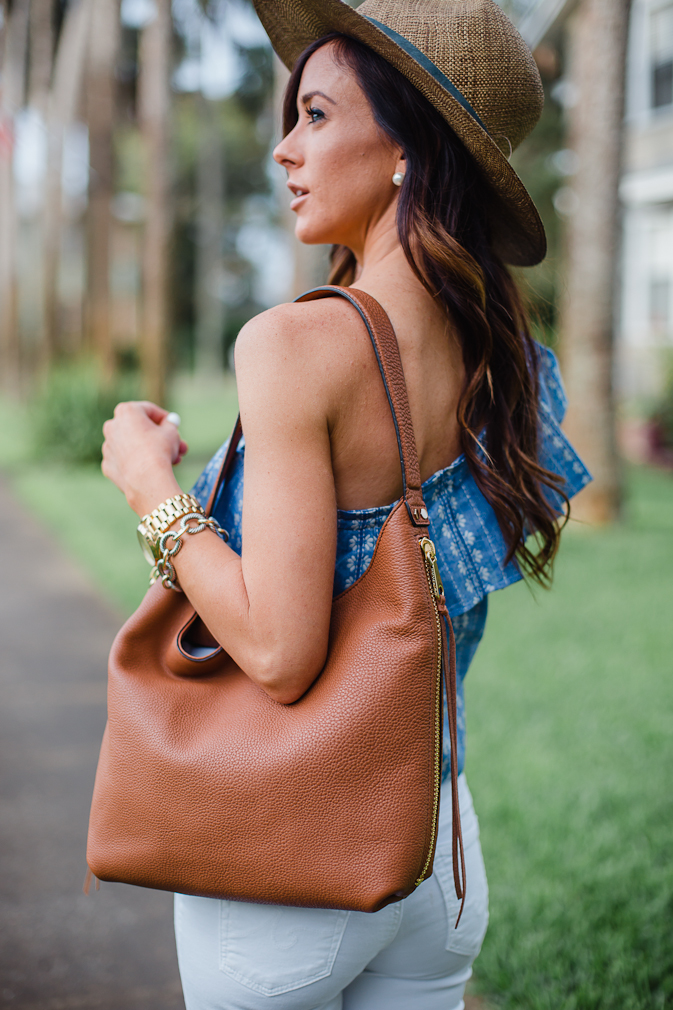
{"type": "Point", "coordinates": [449, 663]}
{"type": "Point", "coordinates": [87, 881]}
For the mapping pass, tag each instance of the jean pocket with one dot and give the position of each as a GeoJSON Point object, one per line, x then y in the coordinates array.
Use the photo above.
{"type": "Point", "coordinates": [468, 938]}
{"type": "Point", "coordinates": [273, 949]}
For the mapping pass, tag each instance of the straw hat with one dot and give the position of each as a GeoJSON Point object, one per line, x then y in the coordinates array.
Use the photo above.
{"type": "Point", "coordinates": [469, 61]}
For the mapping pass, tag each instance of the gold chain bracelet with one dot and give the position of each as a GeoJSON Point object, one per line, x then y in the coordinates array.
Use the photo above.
{"type": "Point", "coordinates": [160, 519]}
{"type": "Point", "coordinates": [164, 568]}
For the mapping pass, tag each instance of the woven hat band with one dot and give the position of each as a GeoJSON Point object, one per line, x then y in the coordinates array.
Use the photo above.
{"type": "Point", "coordinates": [411, 50]}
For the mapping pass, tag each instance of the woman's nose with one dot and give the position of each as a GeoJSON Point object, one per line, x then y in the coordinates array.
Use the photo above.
{"type": "Point", "coordinates": [286, 153]}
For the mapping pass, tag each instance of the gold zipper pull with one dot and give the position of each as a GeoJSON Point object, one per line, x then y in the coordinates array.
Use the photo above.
{"type": "Point", "coordinates": [428, 549]}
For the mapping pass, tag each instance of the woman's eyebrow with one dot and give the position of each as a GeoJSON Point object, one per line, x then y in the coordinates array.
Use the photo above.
{"type": "Point", "coordinates": [311, 94]}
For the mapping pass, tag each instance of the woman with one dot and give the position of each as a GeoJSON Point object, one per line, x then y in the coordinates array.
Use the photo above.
{"type": "Point", "coordinates": [390, 159]}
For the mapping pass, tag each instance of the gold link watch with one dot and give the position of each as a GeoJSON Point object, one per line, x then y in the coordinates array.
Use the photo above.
{"type": "Point", "coordinates": [155, 523]}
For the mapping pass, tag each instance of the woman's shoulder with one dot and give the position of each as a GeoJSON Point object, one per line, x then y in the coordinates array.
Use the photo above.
{"type": "Point", "coordinates": [301, 327]}
{"type": "Point", "coordinates": [301, 359]}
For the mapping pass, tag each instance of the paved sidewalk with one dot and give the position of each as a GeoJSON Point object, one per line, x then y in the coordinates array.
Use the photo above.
{"type": "Point", "coordinates": [58, 949]}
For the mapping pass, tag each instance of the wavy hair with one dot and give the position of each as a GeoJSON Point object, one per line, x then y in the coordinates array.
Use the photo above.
{"type": "Point", "coordinates": [443, 226]}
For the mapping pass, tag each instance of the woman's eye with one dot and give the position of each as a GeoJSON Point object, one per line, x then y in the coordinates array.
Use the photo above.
{"type": "Point", "coordinates": [315, 114]}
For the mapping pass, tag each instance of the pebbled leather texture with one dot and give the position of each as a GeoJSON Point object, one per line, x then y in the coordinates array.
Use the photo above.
{"type": "Point", "coordinates": [206, 786]}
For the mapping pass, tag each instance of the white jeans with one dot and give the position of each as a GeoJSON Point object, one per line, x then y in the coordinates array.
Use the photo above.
{"type": "Point", "coordinates": [239, 956]}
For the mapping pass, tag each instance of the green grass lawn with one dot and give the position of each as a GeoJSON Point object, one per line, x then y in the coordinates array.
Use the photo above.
{"type": "Point", "coordinates": [570, 739]}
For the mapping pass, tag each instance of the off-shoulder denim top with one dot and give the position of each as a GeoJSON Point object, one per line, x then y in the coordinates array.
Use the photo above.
{"type": "Point", "coordinates": [469, 543]}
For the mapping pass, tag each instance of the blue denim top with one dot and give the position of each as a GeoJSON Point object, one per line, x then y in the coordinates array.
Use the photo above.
{"type": "Point", "coordinates": [469, 543]}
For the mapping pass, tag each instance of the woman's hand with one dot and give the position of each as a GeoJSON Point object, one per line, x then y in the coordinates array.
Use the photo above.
{"type": "Point", "coordinates": [140, 449]}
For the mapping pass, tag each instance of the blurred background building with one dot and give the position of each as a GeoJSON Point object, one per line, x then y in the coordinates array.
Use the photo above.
{"type": "Point", "coordinates": [647, 193]}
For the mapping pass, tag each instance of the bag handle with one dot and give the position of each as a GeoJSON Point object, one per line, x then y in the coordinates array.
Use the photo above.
{"type": "Point", "coordinates": [386, 348]}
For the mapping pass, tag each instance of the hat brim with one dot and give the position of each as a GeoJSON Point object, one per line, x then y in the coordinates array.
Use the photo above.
{"type": "Point", "coordinates": [517, 230]}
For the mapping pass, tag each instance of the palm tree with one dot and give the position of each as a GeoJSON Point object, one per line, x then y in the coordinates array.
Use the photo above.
{"type": "Point", "coordinates": [63, 102]}
{"type": "Point", "coordinates": [153, 115]}
{"type": "Point", "coordinates": [210, 308]}
{"type": "Point", "coordinates": [597, 34]}
{"type": "Point", "coordinates": [15, 50]}
{"type": "Point", "coordinates": [104, 34]}
{"type": "Point", "coordinates": [41, 53]}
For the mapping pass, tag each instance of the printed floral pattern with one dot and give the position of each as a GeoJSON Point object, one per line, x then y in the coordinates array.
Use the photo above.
{"type": "Point", "coordinates": [470, 547]}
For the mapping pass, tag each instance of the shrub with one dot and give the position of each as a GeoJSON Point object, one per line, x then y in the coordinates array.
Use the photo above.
{"type": "Point", "coordinates": [661, 421]}
{"type": "Point", "coordinates": [68, 413]}
{"type": "Point", "coordinates": [662, 417]}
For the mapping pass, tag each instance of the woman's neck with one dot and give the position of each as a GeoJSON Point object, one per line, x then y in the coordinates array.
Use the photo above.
{"type": "Point", "coordinates": [382, 259]}
{"type": "Point", "coordinates": [386, 271]}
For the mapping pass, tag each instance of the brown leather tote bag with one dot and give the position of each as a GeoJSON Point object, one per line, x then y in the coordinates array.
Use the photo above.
{"type": "Point", "coordinates": [206, 786]}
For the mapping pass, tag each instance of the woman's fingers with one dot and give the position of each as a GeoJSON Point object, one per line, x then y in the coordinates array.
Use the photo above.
{"type": "Point", "coordinates": [138, 443]}
{"type": "Point", "coordinates": [182, 449]}
{"type": "Point", "coordinates": [141, 438]}
{"type": "Point", "coordinates": [155, 413]}
{"type": "Point", "coordinates": [130, 418]}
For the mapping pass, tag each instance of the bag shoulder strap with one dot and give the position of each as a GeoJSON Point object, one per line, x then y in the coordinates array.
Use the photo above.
{"type": "Point", "coordinates": [386, 349]}
{"type": "Point", "coordinates": [227, 464]}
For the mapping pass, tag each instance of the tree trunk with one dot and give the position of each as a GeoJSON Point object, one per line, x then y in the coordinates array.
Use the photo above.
{"type": "Point", "coordinates": [13, 77]}
{"type": "Point", "coordinates": [4, 12]}
{"type": "Point", "coordinates": [40, 66]}
{"type": "Point", "coordinates": [598, 34]}
{"type": "Point", "coordinates": [210, 308]}
{"type": "Point", "coordinates": [41, 53]}
{"type": "Point", "coordinates": [153, 112]}
{"type": "Point", "coordinates": [63, 102]}
{"type": "Point", "coordinates": [310, 262]}
{"type": "Point", "coordinates": [104, 34]}
{"type": "Point", "coordinates": [5, 153]}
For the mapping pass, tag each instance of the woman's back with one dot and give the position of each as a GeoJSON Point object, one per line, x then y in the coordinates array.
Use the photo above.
{"type": "Point", "coordinates": [336, 368]}
{"type": "Point", "coordinates": [365, 457]}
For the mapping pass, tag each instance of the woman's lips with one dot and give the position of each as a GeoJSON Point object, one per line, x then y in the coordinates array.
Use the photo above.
{"type": "Point", "coordinates": [299, 196]}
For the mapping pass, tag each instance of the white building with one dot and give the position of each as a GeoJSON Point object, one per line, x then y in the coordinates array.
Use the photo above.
{"type": "Point", "coordinates": [646, 326]}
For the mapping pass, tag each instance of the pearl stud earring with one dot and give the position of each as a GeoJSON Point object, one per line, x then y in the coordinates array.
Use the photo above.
{"type": "Point", "coordinates": [398, 178]}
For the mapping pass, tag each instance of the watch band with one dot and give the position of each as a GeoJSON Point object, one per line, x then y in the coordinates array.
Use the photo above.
{"type": "Point", "coordinates": [158, 521]}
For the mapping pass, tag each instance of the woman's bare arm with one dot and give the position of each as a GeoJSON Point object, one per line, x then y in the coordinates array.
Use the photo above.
{"type": "Point", "coordinates": [270, 608]}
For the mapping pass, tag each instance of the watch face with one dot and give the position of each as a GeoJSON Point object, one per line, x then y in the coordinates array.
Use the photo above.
{"type": "Point", "coordinates": [146, 548]}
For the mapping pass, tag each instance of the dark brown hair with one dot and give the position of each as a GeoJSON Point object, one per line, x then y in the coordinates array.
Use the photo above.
{"type": "Point", "coordinates": [443, 226]}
